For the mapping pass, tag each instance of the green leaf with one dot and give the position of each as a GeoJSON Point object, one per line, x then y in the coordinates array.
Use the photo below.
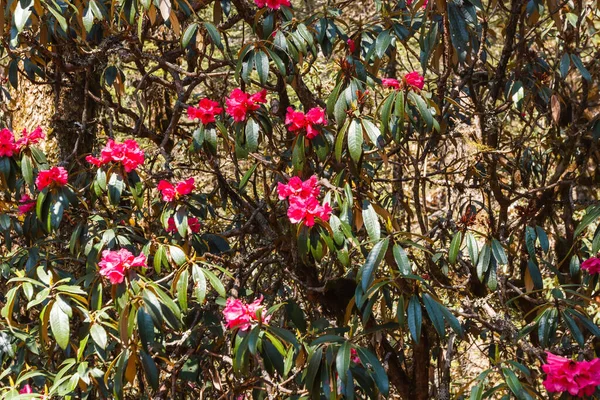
{"type": "Point", "coordinates": [252, 132]}
{"type": "Point", "coordinates": [383, 41]}
{"type": "Point", "coordinates": [253, 339]}
{"type": "Point", "coordinates": [454, 247]}
{"type": "Point", "coordinates": [189, 34]}
{"type": "Point", "coordinates": [372, 262]}
{"type": "Point", "coordinates": [215, 37]}
{"type": "Point", "coordinates": [435, 314]}
{"type": "Point", "coordinates": [565, 63]}
{"type": "Point", "coordinates": [99, 335]}
{"type": "Point", "coordinates": [402, 260]}
{"type": "Point", "coordinates": [386, 112]}
{"type": "Point", "coordinates": [513, 382]}
{"type": "Point", "coordinates": [21, 14]}
{"type": "Point", "coordinates": [543, 238]}
{"type": "Point", "coordinates": [182, 286]}
{"type": "Point", "coordinates": [499, 253]}
{"type": "Point", "coordinates": [484, 261]}
{"type": "Point", "coordinates": [150, 369]}
{"type": "Point", "coordinates": [422, 107]}
{"type": "Point", "coordinates": [472, 247]}
{"type": "Point", "coordinates": [27, 169]}
{"type": "Point", "coordinates": [261, 61]}
{"type": "Point", "coordinates": [178, 255]}
{"type": "Point", "coordinates": [313, 368]}
{"type": "Point", "coordinates": [215, 282]}
{"type": "Point", "coordinates": [115, 188]}
{"type": "Point", "coordinates": [342, 361]}
{"type": "Point", "coordinates": [592, 213]}
{"type": "Point", "coordinates": [373, 133]}
{"type": "Point", "coordinates": [377, 373]}
{"type": "Point", "coordinates": [575, 331]}
{"type": "Point", "coordinates": [145, 327]}
{"type": "Point", "coordinates": [371, 221]}
{"type": "Point", "coordinates": [59, 323]}
{"type": "Point", "coordinates": [585, 74]}
{"type": "Point", "coordinates": [452, 321]}
{"type": "Point", "coordinates": [415, 318]}
{"type": "Point", "coordinates": [246, 177]}
{"type": "Point", "coordinates": [536, 275]}
{"type": "Point", "coordinates": [199, 283]}
{"type": "Point", "coordinates": [355, 140]}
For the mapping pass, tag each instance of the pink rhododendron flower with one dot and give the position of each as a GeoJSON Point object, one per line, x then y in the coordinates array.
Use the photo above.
{"type": "Point", "coordinates": [391, 83]}
{"type": "Point", "coordinates": [297, 188]}
{"type": "Point", "coordinates": [351, 45]}
{"type": "Point", "coordinates": [26, 204]}
{"type": "Point", "coordinates": [193, 225]}
{"type": "Point", "coordinates": [205, 112]}
{"type": "Point", "coordinates": [240, 315]}
{"type": "Point", "coordinates": [591, 265]}
{"type": "Point", "coordinates": [56, 176]}
{"type": "Point", "coordinates": [27, 139]}
{"type": "Point", "coordinates": [415, 80]}
{"type": "Point", "coordinates": [26, 389]}
{"type": "Point", "coordinates": [296, 120]}
{"type": "Point", "coordinates": [172, 192]}
{"type": "Point", "coordinates": [354, 356]}
{"type": "Point", "coordinates": [239, 103]}
{"type": "Point", "coordinates": [272, 4]}
{"type": "Point", "coordinates": [578, 378]}
{"type": "Point", "coordinates": [306, 210]}
{"type": "Point", "coordinates": [127, 154]}
{"type": "Point", "coordinates": [114, 264]}
{"type": "Point", "coordinates": [8, 146]}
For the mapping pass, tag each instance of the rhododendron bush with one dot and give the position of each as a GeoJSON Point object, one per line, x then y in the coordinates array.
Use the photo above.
{"type": "Point", "coordinates": [237, 199]}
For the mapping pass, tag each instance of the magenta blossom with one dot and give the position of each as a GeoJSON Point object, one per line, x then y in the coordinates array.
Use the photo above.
{"type": "Point", "coordinates": [26, 389]}
{"type": "Point", "coordinates": [28, 139]}
{"type": "Point", "coordinates": [414, 80]}
{"type": "Point", "coordinates": [297, 120]}
{"type": "Point", "coordinates": [307, 210]}
{"type": "Point", "coordinates": [578, 378]}
{"type": "Point", "coordinates": [193, 225]}
{"type": "Point", "coordinates": [115, 264]}
{"type": "Point", "coordinates": [391, 83]}
{"type": "Point", "coordinates": [240, 315]}
{"type": "Point", "coordinates": [8, 147]}
{"type": "Point", "coordinates": [297, 188]}
{"type": "Point", "coordinates": [55, 176]}
{"type": "Point", "coordinates": [172, 192]}
{"type": "Point", "coordinates": [205, 112]}
{"type": "Point", "coordinates": [26, 204]}
{"type": "Point", "coordinates": [239, 103]}
{"type": "Point", "coordinates": [591, 265]}
{"type": "Point", "coordinates": [127, 154]}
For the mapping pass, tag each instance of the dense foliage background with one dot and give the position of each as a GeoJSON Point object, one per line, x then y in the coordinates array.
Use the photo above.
{"type": "Point", "coordinates": [462, 207]}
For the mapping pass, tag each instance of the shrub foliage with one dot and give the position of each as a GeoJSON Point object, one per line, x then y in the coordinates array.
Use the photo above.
{"type": "Point", "coordinates": [320, 200]}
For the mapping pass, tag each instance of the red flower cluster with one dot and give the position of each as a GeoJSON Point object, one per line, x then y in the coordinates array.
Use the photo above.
{"type": "Point", "coordinates": [56, 176]}
{"type": "Point", "coordinates": [172, 192]}
{"type": "Point", "coordinates": [114, 264]}
{"type": "Point", "coordinates": [239, 103]}
{"type": "Point", "coordinates": [193, 225]}
{"type": "Point", "coordinates": [127, 153]}
{"type": "Point", "coordinates": [391, 83]}
{"type": "Point", "coordinates": [579, 378]}
{"type": "Point", "coordinates": [26, 389]}
{"type": "Point", "coordinates": [412, 79]}
{"type": "Point", "coordinates": [351, 45]}
{"type": "Point", "coordinates": [205, 112]}
{"type": "Point", "coordinates": [272, 4]}
{"type": "Point", "coordinates": [297, 120]}
{"type": "Point", "coordinates": [238, 314]}
{"type": "Point", "coordinates": [26, 204]}
{"type": "Point", "coordinates": [302, 197]}
{"type": "Point", "coordinates": [591, 265]}
{"type": "Point", "coordinates": [10, 147]}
